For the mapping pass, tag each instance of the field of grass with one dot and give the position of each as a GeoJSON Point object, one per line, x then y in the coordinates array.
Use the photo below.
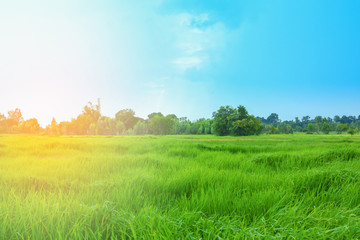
{"type": "Point", "coordinates": [180, 187]}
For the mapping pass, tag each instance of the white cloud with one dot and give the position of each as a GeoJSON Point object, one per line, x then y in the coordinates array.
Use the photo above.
{"type": "Point", "coordinates": [196, 38]}
{"type": "Point", "coordinates": [184, 63]}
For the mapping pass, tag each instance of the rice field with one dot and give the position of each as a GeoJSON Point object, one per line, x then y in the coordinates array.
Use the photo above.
{"type": "Point", "coordinates": [180, 187]}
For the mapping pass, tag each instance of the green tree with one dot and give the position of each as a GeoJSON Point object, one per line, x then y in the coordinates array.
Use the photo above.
{"type": "Point", "coordinates": [222, 120]}
{"type": "Point", "coordinates": [81, 125]}
{"type": "Point", "coordinates": [127, 116]}
{"type": "Point", "coordinates": [310, 129]}
{"type": "Point", "coordinates": [236, 122]}
{"type": "Point", "coordinates": [318, 123]}
{"type": "Point", "coordinates": [351, 131]}
{"type": "Point", "coordinates": [173, 118]}
{"type": "Point", "coordinates": [325, 128]}
{"type": "Point", "coordinates": [337, 118]}
{"type": "Point", "coordinates": [92, 111]}
{"type": "Point", "coordinates": [273, 129]}
{"type": "Point", "coordinates": [184, 126]}
{"type": "Point", "coordinates": [273, 119]}
{"type": "Point", "coordinates": [106, 126]}
{"type": "Point", "coordinates": [202, 126]}
{"type": "Point", "coordinates": [140, 128]}
{"type": "Point", "coordinates": [119, 127]}
{"type": "Point", "coordinates": [160, 125]}
{"type": "Point", "coordinates": [338, 128]}
{"type": "Point", "coordinates": [154, 114]}
{"type": "Point", "coordinates": [343, 127]}
{"type": "Point", "coordinates": [247, 126]}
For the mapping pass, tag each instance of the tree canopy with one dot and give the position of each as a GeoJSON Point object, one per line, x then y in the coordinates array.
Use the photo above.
{"type": "Point", "coordinates": [225, 121]}
{"type": "Point", "coordinates": [236, 121]}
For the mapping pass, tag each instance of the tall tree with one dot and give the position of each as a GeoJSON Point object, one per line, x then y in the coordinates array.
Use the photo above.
{"type": "Point", "coordinates": [273, 119]}
{"type": "Point", "coordinates": [106, 126]}
{"type": "Point", "coordinates": [325, 128]}
{"type": "Point", "coordinates": [310, 129]}
{"type": "Point", "coordinates": [337, 118]}
{"type": "Point", "coordinates": [222, 120]}
{"type": "Point", "coordinates": [140, 128]}
{"type": "Point", "coordinates": [235, 122]}
{"type": "Point", "coordinates": [318, 123]}
{"type": "Point", "coordinates": [161, 125]}
{"type": "Point", "coordinates": [127, 116]}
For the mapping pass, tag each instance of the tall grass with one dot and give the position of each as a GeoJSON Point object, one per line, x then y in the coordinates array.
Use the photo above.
{"type": "Point", "coordinates": [180, 187]}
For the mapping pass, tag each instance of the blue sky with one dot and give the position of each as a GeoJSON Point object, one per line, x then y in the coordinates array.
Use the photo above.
{"type": "Point", "coordinates": [186, 57]}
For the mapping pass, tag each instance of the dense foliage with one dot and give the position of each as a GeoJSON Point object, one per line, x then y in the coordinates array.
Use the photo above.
{"type": "Point", "coordinates": [319, 124]}
{"type": "Point", "coordinates": [237, 122]}
{"type": "Point", "coordinates": [226, 121]}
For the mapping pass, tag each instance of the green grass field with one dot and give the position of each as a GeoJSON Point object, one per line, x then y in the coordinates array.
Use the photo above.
{"type": "Point", "coordinates": [180, 187]}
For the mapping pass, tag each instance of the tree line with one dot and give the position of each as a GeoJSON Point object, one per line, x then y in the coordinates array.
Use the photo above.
{"type": "Point", "coordinates": [91, 122]}
{"type": "Point", "coordinates": [319, 124]}
{"type": "Point", "coordinates": [225, 121]}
